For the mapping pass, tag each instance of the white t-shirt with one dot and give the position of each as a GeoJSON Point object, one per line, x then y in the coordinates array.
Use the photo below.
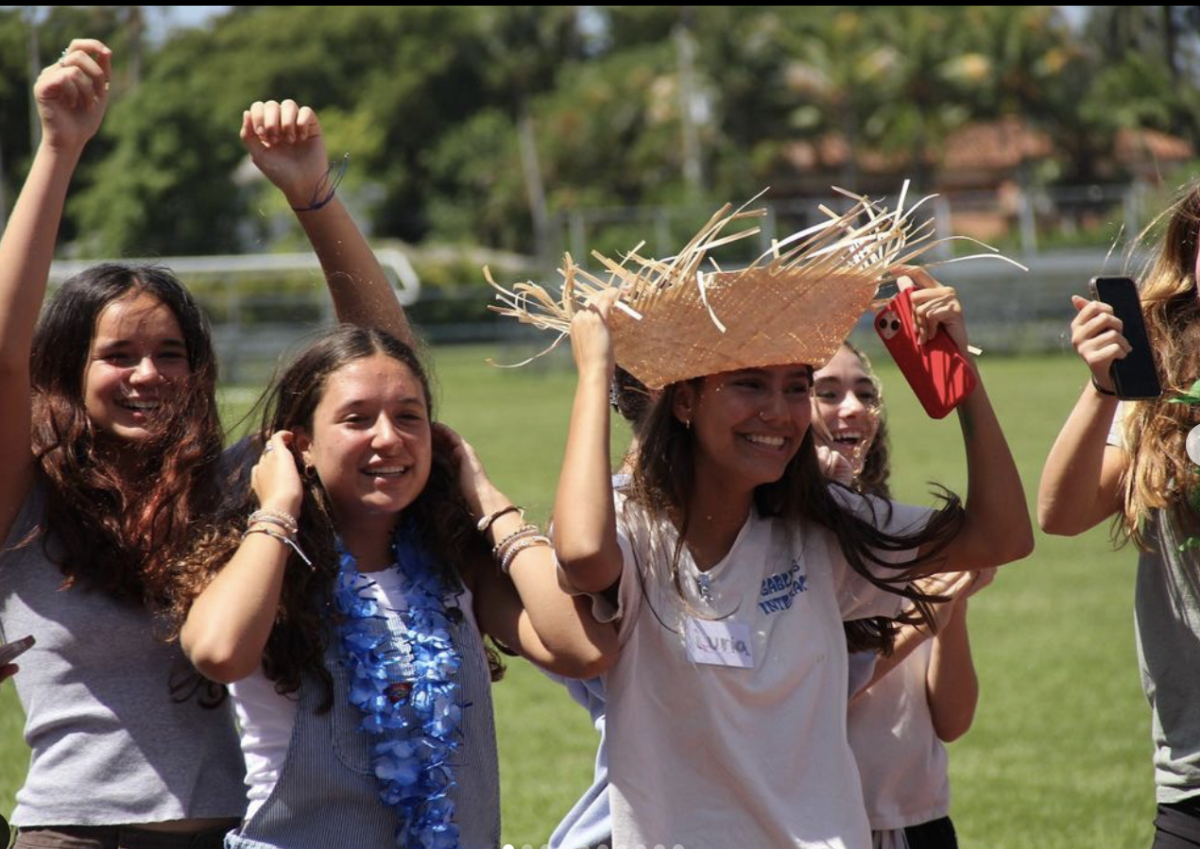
{"type": "Point", "coordinates": [266, 718]}
{"type": "Point", "coordinates": [753, 756]}
{"type": "Point", "coordinates": [902, 762]}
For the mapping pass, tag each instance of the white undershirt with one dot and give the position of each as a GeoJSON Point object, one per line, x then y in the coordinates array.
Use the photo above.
{"type": "Point", "coordinates": [266, 718]}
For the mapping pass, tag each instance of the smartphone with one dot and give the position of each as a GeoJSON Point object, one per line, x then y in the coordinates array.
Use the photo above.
{"type": "Point", "coordinates": [938, 373]}
{"type": "Point", "coordinates": [11, 651]}
{"type": "Point", "coordinates": [1136, 376]}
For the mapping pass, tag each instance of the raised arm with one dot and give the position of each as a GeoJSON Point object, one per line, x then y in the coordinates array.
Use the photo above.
{"type": "Point", "coordinates": [526, 610]}
{"type": "Point", "coordinates": [71, 98]}
{"type": "Point", "coordinates": [285, 142]}
{"type": "Point", "coordinates": [951, 685]}
{"type": "Point", "coordinates": [227, 628]}
{"type": "Point", "coordinates": [1081, 481]}
{"type": "Point", "coordinates": [585, 524]}
{"type": "Point", "coordinates": [997, 528]}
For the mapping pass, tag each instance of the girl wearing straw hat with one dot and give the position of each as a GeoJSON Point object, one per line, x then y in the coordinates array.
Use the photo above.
{"type": "Point", "coordinates": [728, 563]}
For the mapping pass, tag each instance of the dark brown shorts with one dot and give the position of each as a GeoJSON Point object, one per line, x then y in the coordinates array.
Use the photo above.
{"type": "Point", "coordinates": [117, 837]}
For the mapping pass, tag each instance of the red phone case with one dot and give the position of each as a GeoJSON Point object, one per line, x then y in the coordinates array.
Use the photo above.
{"type": "Point", "coordinates": [937, 371]}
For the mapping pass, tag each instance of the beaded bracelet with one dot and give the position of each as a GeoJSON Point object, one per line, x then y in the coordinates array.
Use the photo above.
{"type": "Point", "coordinates": [521, 545]}
{"type": "Point", "coordinates": [523, 531]}
{"type": "Point", "coordinates": [286, 540]}
{"type": "Point", "coordinates": [275, 517]}
{"type": "Point", "coordinates": [271, 520]}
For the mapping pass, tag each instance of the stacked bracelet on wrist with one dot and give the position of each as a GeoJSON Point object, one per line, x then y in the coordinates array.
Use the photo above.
{"type": "Point", "coordinates": [523, 531]}
{"type": "Point", "coordinates": [275, 517]}
{"type": "Point", "coordinates": [279, 519]}
{"type": "Point", "coordinates": [507, 549]}
{"type": "Point", "coordinates": [520, 545]}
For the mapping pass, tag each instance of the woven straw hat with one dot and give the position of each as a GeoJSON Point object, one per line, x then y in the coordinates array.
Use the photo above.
{"type": "Point", "coordinates": [795, 304]}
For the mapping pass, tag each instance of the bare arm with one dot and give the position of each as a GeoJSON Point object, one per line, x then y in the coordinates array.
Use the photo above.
{"type": "Point", "coordinates": [527, 610]}
{"type": "Point", "coordinates": [71, 98]}
{"type": "Point", "coordinates": [1081, 481]}
{"type": "Point", "coordinates": [227, 629]}
{"type": "Point", "coordinates": [286, 144]}
{"type": "Point", "coordinates": [951, 685]}
{"type": "Point", "coordinates": [585, 524]}
{"type": "Point", "coordinates": [996, 528]}
{"type": "Point", "coordinates": [518, 612]}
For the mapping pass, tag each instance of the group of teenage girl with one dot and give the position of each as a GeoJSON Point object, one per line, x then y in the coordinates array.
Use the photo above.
{"type": "Point", "coordinates": [291, 641]}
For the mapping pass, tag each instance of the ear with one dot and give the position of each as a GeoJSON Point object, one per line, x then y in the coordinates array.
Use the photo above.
{"type": "Point", "coordinates": [302, 443]}
{"type": "Point", "coordinates": [683, 405]}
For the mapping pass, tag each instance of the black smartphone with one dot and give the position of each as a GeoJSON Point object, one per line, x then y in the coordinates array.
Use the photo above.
{"type": "Point", "coordinates": [1136, 376]}
{"type": "Point", "coordinates": [11, 651]}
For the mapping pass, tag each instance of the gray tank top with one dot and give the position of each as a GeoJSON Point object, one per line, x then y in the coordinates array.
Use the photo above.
{"type": "Point", "coordinates": [110, 742]}
{"type": "Point", "coordinates": [327, 794]}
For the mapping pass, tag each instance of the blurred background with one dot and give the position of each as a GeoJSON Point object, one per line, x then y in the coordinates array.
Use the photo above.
{"type": "Point", "coordinates": [503, 136]}
{"type": "Point", "coordinates": [506, 135]}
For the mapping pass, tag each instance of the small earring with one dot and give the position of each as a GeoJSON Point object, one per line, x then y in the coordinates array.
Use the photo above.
{"type": "Point", "coordinates": [687, 424]}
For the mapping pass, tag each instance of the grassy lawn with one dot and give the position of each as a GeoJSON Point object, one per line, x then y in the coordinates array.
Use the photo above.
{"type": "Point", "coordinates": [1059, 756]}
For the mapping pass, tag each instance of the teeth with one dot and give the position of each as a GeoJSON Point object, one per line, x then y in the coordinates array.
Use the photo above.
{"type": "Point", "coordinates": [140, 405]}
{"type": "Point", "coordinates": [769, 441]}
{"type": "Point", "coordinates": [398, 470]}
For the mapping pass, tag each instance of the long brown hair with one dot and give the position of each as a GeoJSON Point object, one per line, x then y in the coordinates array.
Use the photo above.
{"type": "Point", "coordinates": [302, 627]}
{"type": "Point", "coordinates": [664, 479]}
{"type": "Point", "coordinates": [121, 512]}
{"type": "Point", "coordinates": [1159, 474]}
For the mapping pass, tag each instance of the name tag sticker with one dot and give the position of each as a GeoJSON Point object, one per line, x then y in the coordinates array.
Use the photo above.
{"type": "Point", "coordinates": [720, 643]}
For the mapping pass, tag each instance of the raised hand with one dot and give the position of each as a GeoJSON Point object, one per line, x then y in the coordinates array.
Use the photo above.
{"type": "Point", "coordinates": [72, 94]}
{"type": "Point", "coordinates": [591, 336]}
{"type": "Point", "coordinates": [285, 142]}
{"type": "Point", "coordinates": [275, 478]}
{"type": "Point", "coordinates": [1096, 334]}
{"type": "Point", "coordinates": [477, 488]}
{"type": "Point", "coordinates": [934, 306]}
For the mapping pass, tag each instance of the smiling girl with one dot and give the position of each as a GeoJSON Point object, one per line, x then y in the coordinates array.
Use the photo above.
{"type": "Point", "coordinates": [729, 566]}
{"type": "Point", "coordinates": [111, 447]}
{"type": "Point", "coordinates": [345, 600]}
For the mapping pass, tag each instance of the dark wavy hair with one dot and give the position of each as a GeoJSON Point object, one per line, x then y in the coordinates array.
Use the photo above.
{"type": "Point", "coordinates": [302, 627]}
{"type": "Point", "coordinates": [121, 511]}
{"type": "Point", "coordinates": [664, 479]}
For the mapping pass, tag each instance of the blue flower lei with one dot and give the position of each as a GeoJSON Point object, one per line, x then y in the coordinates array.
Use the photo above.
{"type": "Point", "coordinates": [406, 691]}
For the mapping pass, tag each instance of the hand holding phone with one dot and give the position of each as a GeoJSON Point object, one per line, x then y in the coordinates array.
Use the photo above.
{"type": "Point", "coordinates": [11, 651]}
{"type": "Point", "coordinates": [938, 373]}
{"type": "Point", "coordinates": [1135, 376]}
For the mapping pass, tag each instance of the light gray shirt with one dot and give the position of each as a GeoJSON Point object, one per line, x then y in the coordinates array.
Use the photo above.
{"type": "Point", "coordinates": [110, 743]}
{"type": "Point", "coordinates": [1167, 616]}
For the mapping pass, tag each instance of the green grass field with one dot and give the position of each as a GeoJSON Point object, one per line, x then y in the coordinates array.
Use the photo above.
{"type": "Point", "coordinates": [1059, 757]}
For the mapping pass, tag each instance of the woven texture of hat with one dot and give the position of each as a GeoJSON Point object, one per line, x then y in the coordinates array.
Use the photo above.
{"type": "Point", "coordinates": [794, 304]}
{"type": "Point", "coordinates": [772, 316]}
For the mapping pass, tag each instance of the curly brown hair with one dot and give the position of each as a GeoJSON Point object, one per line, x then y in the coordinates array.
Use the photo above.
{"type": "Point", "coordinates": [121, 511]}
{"type": "Point", "coordinates": [305, 616]}
{"type": "Point", "coordinates": [663, 481]}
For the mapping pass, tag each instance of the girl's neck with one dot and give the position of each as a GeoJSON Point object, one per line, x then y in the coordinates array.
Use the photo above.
{"type": "Point", "coordinates": [369, 541]}
{"type": "Point", "coordinates": [715, 519]}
